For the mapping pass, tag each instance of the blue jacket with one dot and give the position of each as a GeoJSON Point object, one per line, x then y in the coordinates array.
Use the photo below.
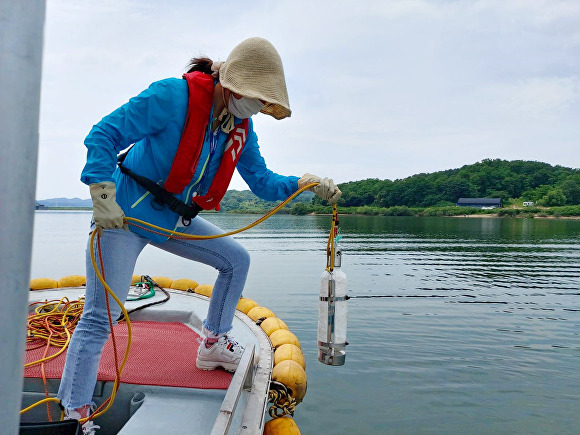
{"type": "Point", "coordinates": [153, 121]}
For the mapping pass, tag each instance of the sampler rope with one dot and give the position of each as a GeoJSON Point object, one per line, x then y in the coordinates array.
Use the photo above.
{"type": "Point", "coordinates": [331, 245]}
{"type": "Point", "coordinates": [104, 407]}
{"type": "Point", "coordinates": [178, 235]}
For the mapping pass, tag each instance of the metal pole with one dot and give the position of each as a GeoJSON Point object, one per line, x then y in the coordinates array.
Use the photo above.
{"type": "Point", "coordinates": [21, 37]}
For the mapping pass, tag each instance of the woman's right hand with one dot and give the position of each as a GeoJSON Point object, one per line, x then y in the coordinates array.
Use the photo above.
{"type": "Point", "coordinates": [106, 211]}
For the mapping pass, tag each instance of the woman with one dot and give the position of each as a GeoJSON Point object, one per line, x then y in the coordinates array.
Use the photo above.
{"type": "Point", "coordinates": [189, 136]}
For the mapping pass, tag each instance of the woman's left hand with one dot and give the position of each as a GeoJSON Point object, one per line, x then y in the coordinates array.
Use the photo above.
{"type": "Point", "coordinates": [326, 189]}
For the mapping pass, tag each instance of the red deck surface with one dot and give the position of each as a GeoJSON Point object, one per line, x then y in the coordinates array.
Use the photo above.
{"type": "Point", "coordinates": [161, 354]}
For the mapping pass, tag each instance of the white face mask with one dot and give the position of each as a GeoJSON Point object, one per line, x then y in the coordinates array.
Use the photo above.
{"type": "Point", "coordinates": [244, 107]}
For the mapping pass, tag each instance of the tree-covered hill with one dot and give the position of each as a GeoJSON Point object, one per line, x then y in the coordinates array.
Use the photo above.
{"type": "Point", "coordinates": [510, 180]}
{"type": "Point", "coordinates": [513, 181]}
{"type": "Point", "coordinates": [244, 201]}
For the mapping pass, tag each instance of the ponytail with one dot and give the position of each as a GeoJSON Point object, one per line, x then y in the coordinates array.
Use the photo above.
{"type": "Point", "coordinates": [202, 64]}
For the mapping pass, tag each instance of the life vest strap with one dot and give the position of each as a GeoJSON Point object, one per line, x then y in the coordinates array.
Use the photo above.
{"type": "Point", "coordinates": [162, 196]}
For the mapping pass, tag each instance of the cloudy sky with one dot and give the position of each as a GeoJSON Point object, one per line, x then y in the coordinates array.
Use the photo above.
{"type": "Point", "coordinates": [378, 89]}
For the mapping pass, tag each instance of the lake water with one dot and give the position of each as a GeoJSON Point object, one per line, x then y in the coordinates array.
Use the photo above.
{"type": "Point", "coordinates": [457, 325]}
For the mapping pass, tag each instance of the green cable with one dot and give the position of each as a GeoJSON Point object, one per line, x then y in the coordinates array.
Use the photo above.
{"type": "Point", "coordinates": [146, 295]}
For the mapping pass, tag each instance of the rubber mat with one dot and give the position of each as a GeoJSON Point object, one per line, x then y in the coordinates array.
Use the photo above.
{"type": "Point", "coordinates": [161, 354]}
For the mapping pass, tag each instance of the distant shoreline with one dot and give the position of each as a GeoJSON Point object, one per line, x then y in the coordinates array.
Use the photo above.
{"type": "Point", "coordinates": [517, 216]}
{"type": "Point", "coordinates": [523, 215]}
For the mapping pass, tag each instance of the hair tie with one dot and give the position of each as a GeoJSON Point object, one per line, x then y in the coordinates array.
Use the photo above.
{"type": "Point", "coordinates": [215, 68]}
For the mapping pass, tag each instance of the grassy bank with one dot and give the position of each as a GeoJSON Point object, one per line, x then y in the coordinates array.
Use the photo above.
{"type": "Point", "coordinates": [524, 212]}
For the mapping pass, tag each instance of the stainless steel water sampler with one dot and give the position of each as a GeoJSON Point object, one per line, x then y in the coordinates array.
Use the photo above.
{"type": "Point", "coordinates": [332, 306]}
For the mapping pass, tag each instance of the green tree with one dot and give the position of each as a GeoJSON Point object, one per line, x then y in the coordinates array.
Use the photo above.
{"type": "Point", "coordinates": [571, 189]}
{"type": "Point", "coordinates": [554, 198]}
{"type": "Point", "coordinates": [300, 209]}
{"type": "Point", "coordinates": [455, 188]}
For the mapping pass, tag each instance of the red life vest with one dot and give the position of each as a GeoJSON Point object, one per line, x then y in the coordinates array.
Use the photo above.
{"type": "Point", "coordinates": [186, 159]}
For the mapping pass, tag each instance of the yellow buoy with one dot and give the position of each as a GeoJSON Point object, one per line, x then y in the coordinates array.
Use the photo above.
{"type": "Point", "coordinates": [259, 312]}
{"type": "Point", "coordinates": [184, 284]}
{"type": "Point", "coordinates": [272, 324]}
{"type": "Point", "coordinates": [72, 281]}
{"type": "Point", "coordinates": [284, 425]}
{"type": "Point", "coordinates": [283, 336]}
{"type": "Point", "coordinates": [246, 304]}
{"type": "Point", "coordinates": [135, 279]}
{"type": "Point", "coordinates": [289, 352]}
{"type": "Point", "coordinates": [163, 281]}
{"type": "Point", "coordinates": [42, 283]}
{"type": "Point", "coordinates": [291, 374]}
{"type": "Point", "coordinates": [204, 289]}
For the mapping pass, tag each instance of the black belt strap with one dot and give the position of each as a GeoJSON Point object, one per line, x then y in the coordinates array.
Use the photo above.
{"type": "Point", "coordinates": [162, 196]}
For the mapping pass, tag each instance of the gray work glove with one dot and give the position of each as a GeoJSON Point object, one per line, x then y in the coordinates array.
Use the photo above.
{"type": "Point", "coordinates": [106, 211]}
{"type": "Point", "coordinates": [326, 188]}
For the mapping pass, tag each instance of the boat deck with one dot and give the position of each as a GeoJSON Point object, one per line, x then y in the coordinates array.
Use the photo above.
{"type": "Point", "coordinates": [162, 353]}
{"type": "Point", "coordinates": [161, 389]}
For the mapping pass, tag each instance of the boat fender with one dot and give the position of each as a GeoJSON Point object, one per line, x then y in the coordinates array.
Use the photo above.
{"type": "Point", "coordinates": [284, 425]}
{"type": "Point", "coordinates": [42, 283]}
{"type": "Point", "coordinates": [293, 376]}
{"type": "Point", "coordinates": [162, 281]}
{"type": "Point", "coordinates": [289, 352]}
{"type": "Point", "coordinates": [184, 284]}
{"type": "Point", "coordinates": [72, 281]}
{"type": "Point", "coordinates": [283, 336]}
{"type": "Point", "coordinates": [257, 313]}
{"type": "Point", "coordinates": [272, 324]}
{"type": "Point", "coordinates": [246, 304]}
{"type": "Point", "coordinates": [135, 279]}
{"type": "Point", "coordinates": [204, 290]}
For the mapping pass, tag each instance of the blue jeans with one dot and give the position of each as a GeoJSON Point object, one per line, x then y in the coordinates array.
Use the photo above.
{"type": "Point", "coordinates": [120, 250]}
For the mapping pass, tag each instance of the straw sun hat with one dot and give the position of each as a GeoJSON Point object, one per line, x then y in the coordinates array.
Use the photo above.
{"type": "Point", "coordinates": [254, 70]}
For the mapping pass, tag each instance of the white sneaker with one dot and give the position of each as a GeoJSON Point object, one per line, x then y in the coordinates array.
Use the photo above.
{"type": "Point", "coordinates": [225, 353]}
{"type": "Point", "coordinates": [89, 428]}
